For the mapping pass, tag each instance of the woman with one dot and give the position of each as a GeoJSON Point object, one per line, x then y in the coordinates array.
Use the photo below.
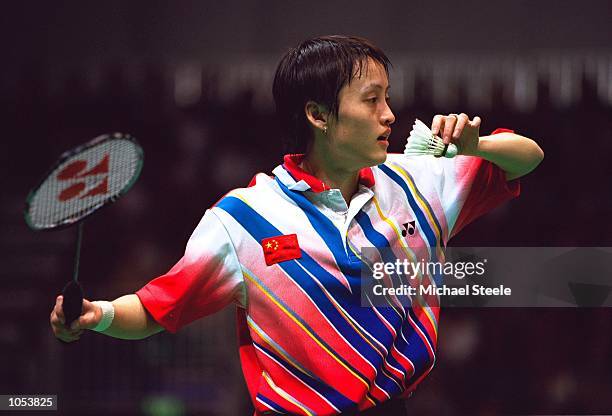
{"type": "Point", "coordinates": [286, 249]}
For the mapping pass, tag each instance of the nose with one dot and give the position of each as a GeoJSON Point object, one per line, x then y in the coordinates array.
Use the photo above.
{"type": "Point", "coordinates": [387, 116]}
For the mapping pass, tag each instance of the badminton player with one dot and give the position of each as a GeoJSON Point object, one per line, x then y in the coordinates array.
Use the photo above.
{"type": "Point", "coordinates": [286, 249]}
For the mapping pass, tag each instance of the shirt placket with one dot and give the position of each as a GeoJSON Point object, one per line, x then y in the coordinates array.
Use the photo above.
{"type": "Point", "coordinates": [343, 216]}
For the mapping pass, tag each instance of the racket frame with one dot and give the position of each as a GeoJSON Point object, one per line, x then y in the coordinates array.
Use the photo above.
{"type": "Point", "coordinates": [71, 153]}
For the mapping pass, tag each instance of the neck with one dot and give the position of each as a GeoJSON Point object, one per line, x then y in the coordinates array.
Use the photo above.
{"type": "Point", "coordinates": [323, 166]}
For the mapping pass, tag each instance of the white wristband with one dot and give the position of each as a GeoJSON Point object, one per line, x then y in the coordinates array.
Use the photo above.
{"type": "Point", "coordinates": [108, 314]}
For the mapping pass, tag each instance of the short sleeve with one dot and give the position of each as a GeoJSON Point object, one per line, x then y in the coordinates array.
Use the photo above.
{"type": "Point", "coordinates": [481, 187]}
{"type": "Point", "coordinates": [206, 279]}
{"type": "Point", "coordinates": [459, 189]}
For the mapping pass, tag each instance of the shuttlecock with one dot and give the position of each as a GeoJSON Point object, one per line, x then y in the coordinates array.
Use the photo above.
{"type": "Point", "coordinates": [423, 142]}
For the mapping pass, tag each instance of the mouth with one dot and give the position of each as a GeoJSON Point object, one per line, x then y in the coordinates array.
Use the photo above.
{"type": "Point", "coordinates": [384, 136]}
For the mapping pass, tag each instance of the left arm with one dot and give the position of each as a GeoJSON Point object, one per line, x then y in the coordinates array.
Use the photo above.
{"type": "Point", "coordinates": [514, 154]}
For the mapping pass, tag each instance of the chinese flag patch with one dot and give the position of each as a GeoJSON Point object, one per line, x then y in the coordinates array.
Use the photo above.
{"type": "Point", "coordinates": [280, 248]}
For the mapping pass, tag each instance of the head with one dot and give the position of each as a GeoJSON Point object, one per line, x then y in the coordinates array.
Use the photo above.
{"type": "Point", "coordinates": [334, 90]}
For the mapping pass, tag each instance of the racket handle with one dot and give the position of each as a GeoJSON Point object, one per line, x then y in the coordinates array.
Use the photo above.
{"type": "Point", "coordinates": [73, 302]}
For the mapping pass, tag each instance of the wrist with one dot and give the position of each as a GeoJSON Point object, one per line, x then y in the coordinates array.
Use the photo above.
{"type": "Point", "coordinates": [108, 314]}
{"type": "Point", "coordinates": [482, 148]}
{"type": "Point", "coordinates": [471, 149]}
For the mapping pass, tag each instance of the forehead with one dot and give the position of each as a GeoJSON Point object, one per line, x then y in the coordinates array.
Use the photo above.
{"type": "Point", "coordinates": [368, 75]}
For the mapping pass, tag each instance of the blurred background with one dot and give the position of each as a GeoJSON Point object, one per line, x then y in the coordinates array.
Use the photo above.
{"type": "Point", "coordinates": [192, 81]}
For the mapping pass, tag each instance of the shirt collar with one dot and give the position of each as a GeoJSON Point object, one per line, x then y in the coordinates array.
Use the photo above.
{"type": "Point", "coordinates": [303, 180]}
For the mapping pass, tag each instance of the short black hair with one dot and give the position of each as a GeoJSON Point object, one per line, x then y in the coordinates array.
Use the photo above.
{"type": "Point", "coordinates": [316, 70]}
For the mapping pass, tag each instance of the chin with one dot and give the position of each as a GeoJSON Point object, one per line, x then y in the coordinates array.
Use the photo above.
{"type": "Point", "coordinates": [377, 159]}
{"type": "Point", "coordinates": [381, 158]}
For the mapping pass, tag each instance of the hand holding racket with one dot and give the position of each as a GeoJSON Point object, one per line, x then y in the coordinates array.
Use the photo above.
{"type": "Point", "coordinates": [90, 317]}
{"type": "Point", "coordinates": [84, 180]}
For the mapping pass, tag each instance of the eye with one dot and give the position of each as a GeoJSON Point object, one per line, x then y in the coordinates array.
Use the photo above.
{"type": "Point", "coordinates": [372, 100]}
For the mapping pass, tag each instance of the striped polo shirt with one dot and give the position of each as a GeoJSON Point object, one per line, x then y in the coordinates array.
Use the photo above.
{"type": "Point", "coordinates": [287, 251]}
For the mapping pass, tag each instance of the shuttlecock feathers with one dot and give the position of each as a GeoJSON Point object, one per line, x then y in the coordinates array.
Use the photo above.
{"type": "Point", "coordinates": [422, 141]}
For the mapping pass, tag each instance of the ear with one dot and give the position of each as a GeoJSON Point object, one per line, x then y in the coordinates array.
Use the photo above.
{"type": "Point", "coordinates": [316, 114]}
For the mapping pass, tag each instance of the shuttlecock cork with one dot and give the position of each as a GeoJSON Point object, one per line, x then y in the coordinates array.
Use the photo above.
{"type": "Point", "coordinates": [423, 142]}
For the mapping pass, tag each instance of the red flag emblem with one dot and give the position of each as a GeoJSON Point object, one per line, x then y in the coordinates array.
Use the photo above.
{"type": "Point", "coordinates": [280, 248]}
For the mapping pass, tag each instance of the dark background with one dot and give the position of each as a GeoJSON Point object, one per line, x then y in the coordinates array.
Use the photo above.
{"type": "Point", "coordinates": [192, 80]}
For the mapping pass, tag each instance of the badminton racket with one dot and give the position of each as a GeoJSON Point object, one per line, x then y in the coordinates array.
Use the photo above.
{"type": "Point", "coordinates": [82, 181]}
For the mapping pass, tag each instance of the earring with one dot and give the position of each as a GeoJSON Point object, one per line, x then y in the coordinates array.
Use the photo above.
{"type": "Point", "coordinates": [325, 130]}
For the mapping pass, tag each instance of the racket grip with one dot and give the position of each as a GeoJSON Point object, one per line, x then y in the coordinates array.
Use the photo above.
{"type": "Point", "coordinates": [73, 302]}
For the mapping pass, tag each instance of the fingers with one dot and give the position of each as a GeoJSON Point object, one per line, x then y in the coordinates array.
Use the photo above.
{"type": "Point", "coordinates": [476, 122]}
{"type": "Point", "coordinates": [90, 317]}
{"type": "Point", "coordinates": [462, 121]}
{"type": "Point", "coordinates": [58, 326]}
{"type": "Point", "coordinates": [452, 125]}
{"type": "Point", "coordinates": [444, 124]}
{"type": "Point", "coordinates": [436, 124]}
{"type": "Point", "coordinates": [70, 336]}
{"type": "Point", "coordinates": [85, 321]}
{"type": "Point", "coordinates": [57, 314]}
{"type": "Point", "coordinates": [449, 126]}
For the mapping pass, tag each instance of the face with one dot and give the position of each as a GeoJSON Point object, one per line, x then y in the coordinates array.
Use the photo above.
{"type": "Point", "coordinates": [358, 137]}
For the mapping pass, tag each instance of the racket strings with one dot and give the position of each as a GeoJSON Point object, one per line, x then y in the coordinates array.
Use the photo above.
{"type": "Point", "coordinates": [84, 182]}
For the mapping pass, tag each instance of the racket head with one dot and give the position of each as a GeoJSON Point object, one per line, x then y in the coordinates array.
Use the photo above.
{"type": "Point", "coordinates": [83, 180]}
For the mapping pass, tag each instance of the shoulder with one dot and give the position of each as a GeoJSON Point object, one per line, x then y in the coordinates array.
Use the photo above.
{"type": "Point", "coordinates": [261, 195]}
{"type": "Point", "coordinates": [416, 167]}
{"type": "Point", "coordinates": [260, 183]}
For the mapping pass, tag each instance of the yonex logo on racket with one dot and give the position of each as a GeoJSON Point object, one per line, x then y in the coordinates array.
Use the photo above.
{"type": "Point", "coordinates": [78, 170]}
{"type": "Point", "coordinates": [83, 180]}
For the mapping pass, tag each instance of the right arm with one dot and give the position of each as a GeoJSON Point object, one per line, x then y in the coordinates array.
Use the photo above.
{"type": "Point", "coordinates": [131, 320]}
{"type": "Point", "coordinates": [207, 278]}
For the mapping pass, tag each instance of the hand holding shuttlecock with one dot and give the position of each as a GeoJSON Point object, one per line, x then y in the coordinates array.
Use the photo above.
{"type": "Point", "coordinates": [422, 141]}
